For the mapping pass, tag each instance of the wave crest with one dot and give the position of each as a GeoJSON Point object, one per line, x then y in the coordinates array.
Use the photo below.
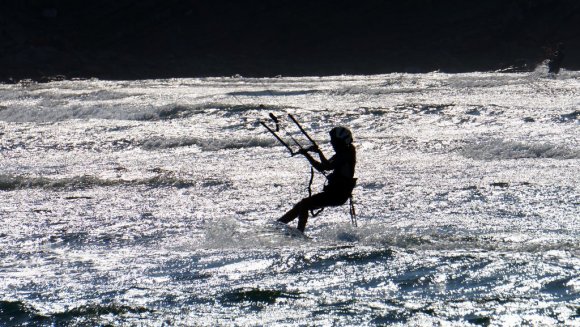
{"type": "Point", "coordinates": [501, 150]}
{"type": "Point", "coordinates": [55, 111]}
{"type": "Point", "coordinates": [157, 143]}
{"type": "Point", "coordinates": [12, 183]}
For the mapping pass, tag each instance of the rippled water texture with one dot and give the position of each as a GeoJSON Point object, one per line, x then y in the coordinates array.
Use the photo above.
{"type": "Point", "coordinates": [150, 202]}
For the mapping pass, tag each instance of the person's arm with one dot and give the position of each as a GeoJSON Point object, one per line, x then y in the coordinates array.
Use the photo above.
{"type": "Point", "coordinates": [325, 162]}
{"type": "Point", "coordinates": [321, 166]}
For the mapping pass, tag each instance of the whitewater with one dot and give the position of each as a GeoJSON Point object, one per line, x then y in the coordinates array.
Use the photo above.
{"type": "Point", "coordinates": [151, 202]}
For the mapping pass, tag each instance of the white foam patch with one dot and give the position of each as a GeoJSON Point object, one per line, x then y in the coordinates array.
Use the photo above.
{"type": "Point", "coordinates": [230, 233]}
{"type": "Point", "coordinates": [502, 150]}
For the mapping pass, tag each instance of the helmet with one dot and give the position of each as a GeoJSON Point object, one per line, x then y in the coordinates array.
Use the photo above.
{"type": "Point", "coordinates": [341, 133]}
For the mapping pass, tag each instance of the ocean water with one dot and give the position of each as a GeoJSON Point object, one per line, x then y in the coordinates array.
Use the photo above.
{"type": "Point", "coordinates": [151, 202]}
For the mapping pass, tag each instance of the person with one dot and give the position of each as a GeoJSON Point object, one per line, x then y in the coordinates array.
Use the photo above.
{"type": "Point", "coordinates": [555, 59]}
{"type": "Point", "coordinates": [340, 182]}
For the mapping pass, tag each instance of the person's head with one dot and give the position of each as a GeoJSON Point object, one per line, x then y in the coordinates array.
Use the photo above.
{"type": "Point", "coordinates": [340, 137]}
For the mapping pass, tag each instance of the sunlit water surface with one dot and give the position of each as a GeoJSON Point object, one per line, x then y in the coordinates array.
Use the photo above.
{"type": "Point", "coordinates": [150, 202]}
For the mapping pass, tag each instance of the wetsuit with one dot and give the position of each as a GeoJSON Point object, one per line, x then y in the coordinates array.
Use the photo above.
{"type": "Point", "coordinates": [341, 181]}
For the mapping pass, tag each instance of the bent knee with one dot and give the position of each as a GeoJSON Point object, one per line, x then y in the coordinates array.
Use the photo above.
{"type": "Point", "coordinates": [305, 204]}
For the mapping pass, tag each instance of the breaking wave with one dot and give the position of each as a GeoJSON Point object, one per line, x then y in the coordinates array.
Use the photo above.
{"type": "Point", "coordinates": [17, 313]}
{"type": "Point", "coordinates": [571, 117]}
{"type": "Point", "coordinates": [11, 183]}
{"type": "Point", "coordinates": [207, 144]}
{"type": "Point", "coordinates": [501, 150]}
{"type": "Point", "coordinates": [60, 112]}
{"type": "Point", "coordinates": [366, 90]}
{"type": "Point", "coordinates": [230, 233]}
{"type": "Point", "coordinates": [256, 295]}
{"type": "Point", "coordinates": [273, 93]}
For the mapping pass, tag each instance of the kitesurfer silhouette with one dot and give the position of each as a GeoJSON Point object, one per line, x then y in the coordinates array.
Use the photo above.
{"type": "Point", "coordinates": [555, 59]}
{"type": "Point", "coordinates": [341, 180]}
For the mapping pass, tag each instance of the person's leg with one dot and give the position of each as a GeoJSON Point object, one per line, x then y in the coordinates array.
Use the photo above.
{"type": "Point", "coordinates": [299, 210]}
{"type": "Point", "coordinates": [302, 219]}
{"type": "Point", "coordinates": [291, 214]}
{"type": "Point", "coordinates": [316, 201]}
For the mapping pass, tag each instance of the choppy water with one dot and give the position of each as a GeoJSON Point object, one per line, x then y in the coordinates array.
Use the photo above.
{"type": "Point", "coordinates": [149, 202]}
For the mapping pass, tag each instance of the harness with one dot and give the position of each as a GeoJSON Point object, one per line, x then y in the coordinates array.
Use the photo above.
{"type": "Point", "coordinates": [352, 211]}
